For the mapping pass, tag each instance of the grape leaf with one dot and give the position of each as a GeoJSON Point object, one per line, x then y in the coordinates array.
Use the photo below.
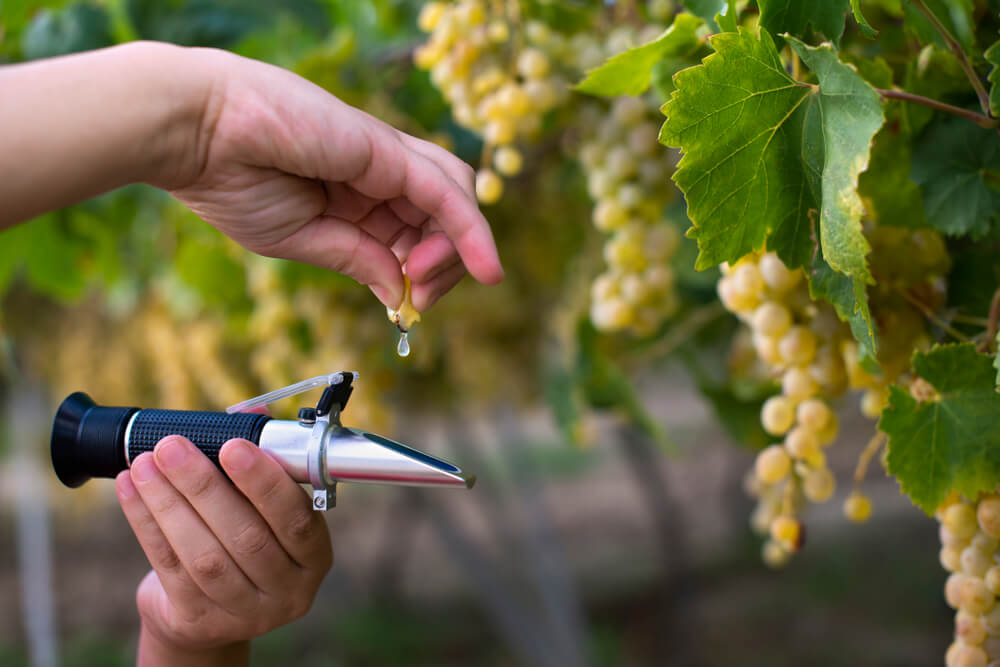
{"type": "Point", "coordinates": [866, 27]}
{"type": "Point", "coordinates": [951, 443]}
{"type": "Point", "coordinates": [739, 119]}
{"type": "Point", "coordinates": [795, 17]}
{"type": "Point", "coordinates": [851, 113]}
{"type": "Point", "coordinates": [708, 9]}
{"type": "Point", "coordinates": [842, 292]}
{"type": "Point", "coordinates": [890, 195]}
{"type": "Point", "coordinates": [955, 15]}
{"type": "Point", "coordinates": [955, 164]}
{"type": "Point", "coordinates": [992, 56]}
{"type": "Point", "coordinates": [630, 72]}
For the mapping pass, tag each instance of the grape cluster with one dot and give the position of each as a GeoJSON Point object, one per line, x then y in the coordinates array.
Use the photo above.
{"type": "Point", "coordinates": [498, 77]}
{"type": "Point", "coordinates": [811, 352]}
{"type": "Point", "coordinates": [970, 537]}
{"type": "Point", "coordinates": [628, 176]}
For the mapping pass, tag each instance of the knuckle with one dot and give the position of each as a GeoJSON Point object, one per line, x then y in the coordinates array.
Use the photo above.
{"type": "Point", "coordinates": [301, 526]}
{"type": "Point", "coordinates": [164, 504]}
{"type": "Point", "coordinates": [252, 539]}
{"type": "Point", "coordinates": [165, 557]}
{"type": "Point", "coordinates": [200, 484]}
{"type": "Point", "coordinates": [210, 565]}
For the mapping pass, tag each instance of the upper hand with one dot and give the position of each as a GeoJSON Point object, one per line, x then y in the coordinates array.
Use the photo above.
{"type": "Point", "coordinates": [290, 171]}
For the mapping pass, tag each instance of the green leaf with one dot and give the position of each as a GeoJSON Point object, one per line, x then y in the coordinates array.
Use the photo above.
{"type": "Point", "coordinates": [218, 278]}
{"type": "Point", "coordinates": [992, 56]}
{"type": "Point", "coordinates": [866, 27]}
{"type": "Point", "coordinates": [796, 16]}
{"type": "Point", "coordinates": [955, 164]}
{"type": "Point", "coordinates": [629, 72]}
{"type": "Point", "coordinates": [707, 10]}
{"type": "Point", "coordinates": [81, 27]}
{"type": "Point", "coordinates": [951, 443]}
{"type": "Point", "coordinates": [739, 120]}
{"type": "Point", "coordinates": [996, 359]}
{"type": "Point", "coordinates": [955, 15]}
{"type": "Point", "coordinates": [53, 258]}
{"type": "Point", "coordinates": [937, 74]}
{"type": "Point", "coordinates": [849, 298]}
{"type": "Point", "coordinates": [891, 196]}
{"type": "Point", "coordinates": [851, 114]}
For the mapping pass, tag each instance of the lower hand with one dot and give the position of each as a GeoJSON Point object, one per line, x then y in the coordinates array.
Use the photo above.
{"type": "Point", "coordinates": [229, 562]}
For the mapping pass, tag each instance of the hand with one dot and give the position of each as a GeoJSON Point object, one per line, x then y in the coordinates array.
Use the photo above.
{"type": "Point", "coordinates": [290, 171]}
{"type": "Point", "coordinates": [229, 562]}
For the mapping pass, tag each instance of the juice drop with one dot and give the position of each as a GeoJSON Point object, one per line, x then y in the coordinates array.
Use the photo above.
{"type": "Point", "coordinates": [403, 348]}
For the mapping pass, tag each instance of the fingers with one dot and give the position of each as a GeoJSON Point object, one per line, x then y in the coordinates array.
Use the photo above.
{"type": "Point", "coordinates": [426, 294]}
{"type": "Point", "coordinates": [344, 247]}
{"type": "Point", "coordinates": [388, 168]}
{"type": "Point", "coordinates": [199, 552]}
{"type": "Point", "coordinates": [281, 502]}
{"type": "Point", "coordinates": [240, 529]}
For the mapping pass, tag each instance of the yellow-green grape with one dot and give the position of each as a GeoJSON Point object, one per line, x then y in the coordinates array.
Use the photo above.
{"type": "Point", "coordinates": [991, 621]}
{"type": "Point", "coordinates": [797, 384]}
{"type": "Point", "coordinates": [798, 346]}
{"type": "Point", "coordinates": [430, 15]}
{"type": "Point", "coordinates": [987, 515]}
{"type": "Point", "coordinates": [609, 215]}
{"type": "Point", "coordinates": [953, 590]}
{"type": "Point", "coordinates": [489, 186]}
{"type": "Point", "coordinates": [813, 414]}
{"type": "Point", "coordinates": [612, 314]}
{"type": "Point", "coordinates": [771, 319]}
{"type": "Point", "coordinates": [406, 315]}
{"type": "Point", "coordinates": [788, 532]}
{"type": "Point", "coordinates": [974, 596]}
{"type": "Point", "coordinates": [962, 655]}
{"type": "Point", "coordinates": [950, 558]}
{"type": "Point", "coordinates": [772, 464]}
{"type": "Point", "coordinates": [873, 401]}
{"type": "Point", "coordinates": [802, 444]}
{"type": "Point", "coordinates": [969, 628]}
{"type": "Point", "coordinates": [858, 507]}
{"type": "Point", "coordinates": [975, 562]}
{"type": "Point", "coordinates": [532, 63]}
{"type": "Point", "coordinates": [778, 276]}
{"type": "Point", "coordinates": [818, 485]}
{"type": "Point", "coordinates": [777, 415]}
{"type": "Point", "coordinates": [508, 161]}
{"type": "Point", "coordinates": [992, 579]}
{"type": "Point", "coordinates": [660, 10]}
{"type": "Point", "coordinates": [774, 555]}
{"type": "Point", "coordinates": [961, 519]}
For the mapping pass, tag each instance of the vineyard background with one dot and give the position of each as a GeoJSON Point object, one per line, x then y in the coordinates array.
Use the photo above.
{"type": "Point", "coordinates": [610, 523]}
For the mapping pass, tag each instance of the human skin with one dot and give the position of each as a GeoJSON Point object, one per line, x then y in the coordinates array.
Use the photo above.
{"type": "Point", "coordinates": [273, 161]}
{"type": "Point", "coordinates": [289, 171]}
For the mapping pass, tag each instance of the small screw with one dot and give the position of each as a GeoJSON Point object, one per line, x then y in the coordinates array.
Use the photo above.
{"type": "Point", "coordinates": [319, 502]}
{"type": "Point", "coordinates": [307, 416]}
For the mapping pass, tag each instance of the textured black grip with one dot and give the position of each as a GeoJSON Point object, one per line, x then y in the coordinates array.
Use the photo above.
{"type": "Point", "coordinates": [207, 430]}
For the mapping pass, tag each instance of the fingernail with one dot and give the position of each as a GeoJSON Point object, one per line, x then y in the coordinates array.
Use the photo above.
{"type": "Point", "coordinates": [238, 456]}
{"type": "Point", "coordinates": [171, 452]}
{"type": "Point", "coordinates": [126, 490]}
{"type": "Point", "coordinates": [143, 469]}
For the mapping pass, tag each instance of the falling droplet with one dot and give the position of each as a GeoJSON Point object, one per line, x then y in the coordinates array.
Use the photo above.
{"type": "Point", "coordinates": [403, 348]}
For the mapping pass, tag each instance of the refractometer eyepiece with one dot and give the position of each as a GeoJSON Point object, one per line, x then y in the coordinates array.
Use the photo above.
{"type": "Point", "coordinates": [89, 440]}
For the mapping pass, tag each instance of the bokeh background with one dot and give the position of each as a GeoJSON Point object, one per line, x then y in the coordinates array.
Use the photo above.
{"type": "Point", "coordinates": [609, 526]}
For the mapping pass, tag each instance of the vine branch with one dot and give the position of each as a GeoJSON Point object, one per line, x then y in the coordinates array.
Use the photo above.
{"type": "Point", "coordinates": [992, 323]}
{"type": "Point", "coordinates": [977, 118]}
{"type": "Point", "coordinates": [956, 48]}
{"type": "Point", "coordinates": [929, 314]}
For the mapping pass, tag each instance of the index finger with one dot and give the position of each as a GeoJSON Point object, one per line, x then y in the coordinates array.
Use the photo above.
{"type": "Point", "coordinates": [398, 171]}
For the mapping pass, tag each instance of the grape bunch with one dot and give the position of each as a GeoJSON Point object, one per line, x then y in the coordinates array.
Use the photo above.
{"type": "Point", "coordinates": [970, 537]}
{"type": "Point", "coordinates": [499, 76]}
{"type": "Point", "coordinates": [810, 351]}
{"type": "Point", "coordinates": [628, 176]}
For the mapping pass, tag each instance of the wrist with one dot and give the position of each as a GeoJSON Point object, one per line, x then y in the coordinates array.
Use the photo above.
{"type": "Point", "coordinates": [155, 651]}
{"type": "Point", "coordinates": [186, 84]}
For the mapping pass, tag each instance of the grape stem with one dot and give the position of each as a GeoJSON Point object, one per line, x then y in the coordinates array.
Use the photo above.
{"type": "Point", "coordinates": [929, 314]}
{"type": "Point", "coordinates": [698, 319]}
{"type": "Point", "coordinates": [992, 323]}
{"type": "Point", "coordinates": [977, 118]}
{"type": "Point", "coordinates": [956, 48]}
{"type": "Point", "coordinates": [867, 454]}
